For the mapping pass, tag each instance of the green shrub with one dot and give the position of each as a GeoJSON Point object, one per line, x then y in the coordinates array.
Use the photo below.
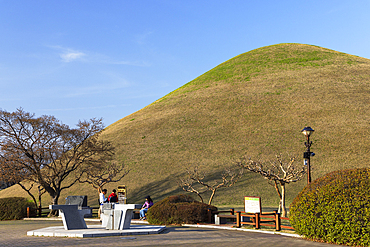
{"type": "Point", "coordinates": [178, 209]}
{"type": "Point", "coordinates": [14, 208]}
{"type": "Point", "coordinates": [335, 208]}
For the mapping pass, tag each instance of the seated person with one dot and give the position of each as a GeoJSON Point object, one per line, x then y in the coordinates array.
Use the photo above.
{"type": "Point", "coordinates": [148, 203]}
{"type": "Point", "coordinates": [113, 197]}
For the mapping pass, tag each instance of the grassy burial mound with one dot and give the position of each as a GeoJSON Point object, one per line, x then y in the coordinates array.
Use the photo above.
{"type": "Point", "coordinates": [256, 104]}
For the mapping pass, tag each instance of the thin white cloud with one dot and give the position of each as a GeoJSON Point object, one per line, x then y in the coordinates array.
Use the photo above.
{"type": "Point", "coordinates": [68, 55]}
{"type": "Point", "coordinates": [71, 56]}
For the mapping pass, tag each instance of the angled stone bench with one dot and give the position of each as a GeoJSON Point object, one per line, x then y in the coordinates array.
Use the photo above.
{"type": "Point", "coordinates": [118, 216]}
{"type": "Point", "coordinates": [81, 201]}
{"type": "Point", "coordinates": [72, 218]}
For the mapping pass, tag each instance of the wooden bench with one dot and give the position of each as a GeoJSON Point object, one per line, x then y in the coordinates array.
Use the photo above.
{"type": "Point", "coordinates": [136, 214]}
{"type": "Point", "coordinates": [224, 218]}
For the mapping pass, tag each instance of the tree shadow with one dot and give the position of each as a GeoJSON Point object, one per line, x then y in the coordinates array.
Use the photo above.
{"type": "Point", "coordinates": [157, 190]}
{"type": "Point", "coordinates": [168, 186]}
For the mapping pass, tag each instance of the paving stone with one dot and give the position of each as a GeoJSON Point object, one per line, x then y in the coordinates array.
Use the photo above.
{"type": "Point", "coordinates": [14, 234]}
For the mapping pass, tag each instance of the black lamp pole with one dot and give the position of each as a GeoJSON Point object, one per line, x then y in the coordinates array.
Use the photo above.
{"type": "Point", "coordinates": [307, 131]}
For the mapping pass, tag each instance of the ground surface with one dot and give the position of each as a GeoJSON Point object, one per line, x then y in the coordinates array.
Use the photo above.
{"type": "Point", "coordinates": [14, 233]}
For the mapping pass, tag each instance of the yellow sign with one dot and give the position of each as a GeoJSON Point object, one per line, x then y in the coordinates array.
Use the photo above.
{"type": "Point", "coordinates": [122, 194]}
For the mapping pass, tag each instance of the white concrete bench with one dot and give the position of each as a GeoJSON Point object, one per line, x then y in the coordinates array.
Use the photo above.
{"type": "Point", "coordinates": [118, 216]}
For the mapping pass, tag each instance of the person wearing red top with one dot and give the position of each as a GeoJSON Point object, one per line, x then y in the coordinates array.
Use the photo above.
{"type": "Point", "coordinates": [113, 197]}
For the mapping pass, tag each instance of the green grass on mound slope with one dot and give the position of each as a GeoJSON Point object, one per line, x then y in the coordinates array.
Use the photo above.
{"type": "Point", "coordinates": [255, 103]}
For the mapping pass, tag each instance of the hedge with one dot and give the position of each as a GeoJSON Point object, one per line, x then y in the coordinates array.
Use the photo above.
{"type": "Point", "coordinates": [14, 208]}
{"type": "Point", "coordinates": [178, 209]}
{"type": "Point", "coordinates": [335, 208]}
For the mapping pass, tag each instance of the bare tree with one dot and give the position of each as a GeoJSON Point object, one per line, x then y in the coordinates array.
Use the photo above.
{"type": "Point", "coordinates": [46, 152]}
{"type": "Point", "coordinates": [195, 178]}
{"type": "Point", "coordinates": [98, 176]}
{"type": "Point", "coordinates": [278, 173]}
{"type": "Point", "coordinates": [190, 181]}
{"type": "Point", "coordinates": [13, 174]}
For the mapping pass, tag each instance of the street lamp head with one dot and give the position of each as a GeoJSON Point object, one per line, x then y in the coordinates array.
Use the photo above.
{"type": "Point", "coordinates": [307, 131]}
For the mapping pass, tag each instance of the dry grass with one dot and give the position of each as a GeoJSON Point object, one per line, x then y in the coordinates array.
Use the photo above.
{"type": "Point", "coordinates": [256, 103]}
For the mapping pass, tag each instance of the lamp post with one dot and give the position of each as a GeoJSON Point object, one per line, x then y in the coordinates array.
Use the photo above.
{"type": "Point", "coordinates": [307, 131]}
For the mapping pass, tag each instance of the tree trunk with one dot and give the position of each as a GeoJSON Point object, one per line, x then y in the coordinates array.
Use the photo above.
{"type": "Point", "coordinates": [40, 194]}
{"type": "Point", "coordinates": [280, 197]}
{"type": "Point", "coordinates": [54, 201]}
{"type": "Point", "coordinates": [211, 197]}
{"type": "Point", "coordinates": [282, 201]}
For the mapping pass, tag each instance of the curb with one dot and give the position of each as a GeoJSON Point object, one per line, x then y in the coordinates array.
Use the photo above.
{"type": "Point", "coordinates": [58, 219]}
{"type": "Point", "coordinates": [244, 230]}
{"type": "Point", "coordinates": [192, 225]}
{"type": "Point", "coordinates": [135, 221]}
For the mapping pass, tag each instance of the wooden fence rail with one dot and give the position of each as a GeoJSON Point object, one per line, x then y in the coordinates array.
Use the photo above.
{"type": "Point", "coordinates": [43, 211]}
{"type": "Point", "coordinates": [38, 212]}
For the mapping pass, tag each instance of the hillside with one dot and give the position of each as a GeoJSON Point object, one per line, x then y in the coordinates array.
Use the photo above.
{"type": "Point", "coordinates": [256, 104]}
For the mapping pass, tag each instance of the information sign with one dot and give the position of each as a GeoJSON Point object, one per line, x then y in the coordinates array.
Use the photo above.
{"type": "Point", "coordinates": [122, 194]}
{"type": "Point", "coordinates": [252, 204]}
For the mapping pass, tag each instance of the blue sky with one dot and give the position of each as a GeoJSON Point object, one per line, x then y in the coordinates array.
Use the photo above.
{"type": "Point", "coordinates": [83, 59]}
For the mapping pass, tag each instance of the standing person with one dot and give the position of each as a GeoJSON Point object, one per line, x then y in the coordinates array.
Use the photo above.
{"type": "Point", "coordinates": [148, 203]}
{"type": "Point", "coordinates": [102, 200]}
{"type": "Point", "coordinates": [113, 197]}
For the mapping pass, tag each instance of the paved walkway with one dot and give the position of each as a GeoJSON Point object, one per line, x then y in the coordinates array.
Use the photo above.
{"type": "Point", "coordinates": [14, 234]}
